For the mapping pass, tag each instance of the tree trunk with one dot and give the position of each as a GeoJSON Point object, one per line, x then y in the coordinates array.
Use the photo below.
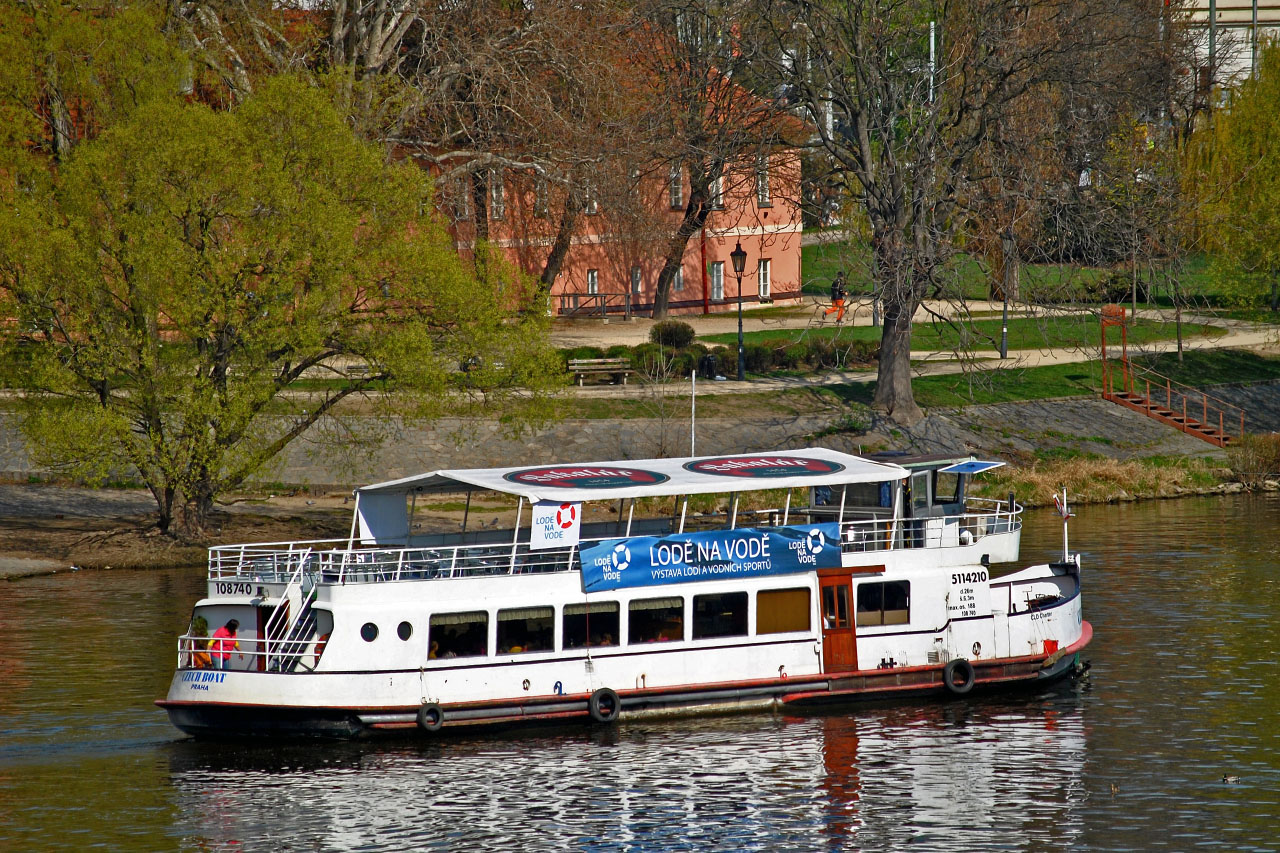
{"type": "Point", "coordinates": [893, 377]}
{"type": "Point", "coordinates": [695, 217]}
{"type": "Point", "coordinates": [560, 246]}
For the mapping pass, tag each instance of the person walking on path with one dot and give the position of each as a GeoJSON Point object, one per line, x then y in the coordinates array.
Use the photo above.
{"type": "Point", "coordinates": [838, 294]}
{"type": "Point", "coordinates": [224, 640]}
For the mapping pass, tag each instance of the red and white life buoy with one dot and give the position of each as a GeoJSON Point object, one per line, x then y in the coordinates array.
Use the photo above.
{"type": "Point", "coordinates": [565, 516]}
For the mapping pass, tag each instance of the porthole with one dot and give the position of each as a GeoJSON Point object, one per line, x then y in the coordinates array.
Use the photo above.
{"type": "Point", "coordinates": [404, 631]}
{"type": "Point", "coordinates": [369, 632]}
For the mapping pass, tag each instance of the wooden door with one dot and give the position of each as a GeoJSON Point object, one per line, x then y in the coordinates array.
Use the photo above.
{"type": "Point", "coordinates": [839, 645]}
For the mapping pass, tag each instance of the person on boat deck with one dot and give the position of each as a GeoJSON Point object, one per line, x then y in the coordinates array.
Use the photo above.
{"type": "Point", "coordinates": [224, 640]}
{"type": "Point", "coordinates": [200, 644]}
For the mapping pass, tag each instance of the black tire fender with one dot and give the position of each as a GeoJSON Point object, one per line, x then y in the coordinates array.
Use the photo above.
{"type": "Point", "coordinates": [962, 668]}
{"type": "Point", "coordinates": [604, 705]}
{"type": "Point", "coordinates": [430, 717]}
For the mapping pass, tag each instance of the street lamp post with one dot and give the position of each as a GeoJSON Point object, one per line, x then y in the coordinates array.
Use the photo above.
{"type": "Point", "coordinates": [739, 258]}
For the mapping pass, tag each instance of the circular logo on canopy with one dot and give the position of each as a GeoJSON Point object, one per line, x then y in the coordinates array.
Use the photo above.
{"type": "Point", "coordinates": [815, 540]}
{"type": "Point", "coordinates": [621, 557]}
{"type": "Point", "coordinates": [565, 516]}
{"type": "Point", "coordinates": [585, 477]}
{"type": "Point", "coordinates": [764, 466]}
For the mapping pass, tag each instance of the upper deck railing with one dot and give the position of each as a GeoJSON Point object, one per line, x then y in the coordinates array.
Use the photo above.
{"type": "Point", "coordinates": [332, 561]}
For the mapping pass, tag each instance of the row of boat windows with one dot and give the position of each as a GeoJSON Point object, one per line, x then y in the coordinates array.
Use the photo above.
{"type": "Point", "coordinates": [599, 624]}
{"type": "Point", "coordinates": [652, 620]}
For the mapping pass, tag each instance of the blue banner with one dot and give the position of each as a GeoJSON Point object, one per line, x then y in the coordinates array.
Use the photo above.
{"type": "Point", "coordinates": [711, 555]}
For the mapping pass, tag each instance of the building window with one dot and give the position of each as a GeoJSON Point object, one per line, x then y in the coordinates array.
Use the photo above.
{"type": "Point", "coordinates": [720, 615]}
{"type": "Point", "coordinates": [677, 283]}
{"type": "Point", "coordinates": [887, 603]}
{"type": "Point", "coordinates": [497, 195]}
{"type": "Point", "coordinates": [462, 198]}
{"type": "Point", "coordinates": [763, 198]}
{"type": "Point", "coordinates": [655, 620]}
{"type": "Point", "coordinates": [636, 284]}
{"type": "Point", "coordinates": [781, 610]}
{"type": "Point", "coordinates": [594, 624]}
{"type": "Point", "coordinates": [458, 635]}
{"type": "Point", "coordinates": [592, 205]}
{"type": "Point", "coordinates": [526, 629]}
{"type": "Point", "coordinates": [762, 278]}
{"type": "Point", "coordinates": [675, 188]}
{"type": "Point", "coordinates": [593, 282]}
{"type": "Point", "coordinates": [717, 192]}
{"type": "Point", "coordinates": [717, 281]}
{"type": "Point", "coordinates": [540, 198]}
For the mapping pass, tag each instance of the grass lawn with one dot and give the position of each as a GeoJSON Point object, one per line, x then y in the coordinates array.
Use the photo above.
{"type": "Point", "coordinates": [981, 334]}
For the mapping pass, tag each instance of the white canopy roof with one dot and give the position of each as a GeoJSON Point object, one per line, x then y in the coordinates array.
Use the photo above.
{"type": "Point", "coordinates": [634, 478]}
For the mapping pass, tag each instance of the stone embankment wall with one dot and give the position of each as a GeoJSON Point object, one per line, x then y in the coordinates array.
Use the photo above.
{"type": "Point", "coordinates": [1080, 425]}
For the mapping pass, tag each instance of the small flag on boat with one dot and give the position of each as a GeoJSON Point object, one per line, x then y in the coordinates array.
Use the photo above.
{"type": "Point", "coordinates": [1061, 503]}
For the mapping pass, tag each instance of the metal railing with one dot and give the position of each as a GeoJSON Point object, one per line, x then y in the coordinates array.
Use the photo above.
{"type": "Point", "coordinates": [256, 654]}
{"type": "Point", "coordinates": [340, 564]}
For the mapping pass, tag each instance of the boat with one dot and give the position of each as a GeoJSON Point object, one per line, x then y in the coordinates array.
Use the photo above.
{"type": "Point", "coordinates": [630, 589]}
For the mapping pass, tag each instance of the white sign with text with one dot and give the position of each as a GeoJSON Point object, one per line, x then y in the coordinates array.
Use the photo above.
{"type": "Point", "coordinates": [555, 525]}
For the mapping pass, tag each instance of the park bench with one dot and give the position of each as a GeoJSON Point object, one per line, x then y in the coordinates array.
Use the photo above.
{"type": "Point", "coordinates": [618, 368]}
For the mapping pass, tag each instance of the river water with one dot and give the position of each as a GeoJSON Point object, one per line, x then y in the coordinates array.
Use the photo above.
{"type": "Point", "coordinates": [1184, 597]}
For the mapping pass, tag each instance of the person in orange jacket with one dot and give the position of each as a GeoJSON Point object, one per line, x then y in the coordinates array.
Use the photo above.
{"type": "Point", "coordinates": [838, 294]}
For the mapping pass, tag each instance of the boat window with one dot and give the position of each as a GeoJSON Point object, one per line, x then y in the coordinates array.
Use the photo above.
{"type": "Point", "coordinates": [884, 603]}
{"type": "Point", "coordinates": [369, 632]}
{"type": "Point", "coordinates": [404, 630]}
{"type": "Point", "coordinates": [655, 620]}
{"type": "Point", "coordinates": [720, 615]}
{"type": "Point", "coordinates": [458, 635]}
{"type": "Point", "coordinates": [782, 610]}
{"type": "Point", "coordinates": [862, 494]}
{"type": "Point", "coordinates": [526, 629]}
{"type": "Point", "coordinates": [594, 624]}
{"type": "Point", "coordinates": [946, 488]}
{"type": "Point", "coordinates": [835, 606]}
{"type": "Point", "coordinates": [920, 490]}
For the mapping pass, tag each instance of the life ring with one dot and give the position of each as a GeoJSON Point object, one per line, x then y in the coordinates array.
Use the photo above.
{"type": "Point", "coordinates": [430, 717]}
{"type": "Point", "coordinates": [604, 705]}
{"type": "Point", "coordinates": [965, 669]}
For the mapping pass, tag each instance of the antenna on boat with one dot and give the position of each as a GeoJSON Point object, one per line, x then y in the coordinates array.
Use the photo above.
{"type": "Point", "coordinates": [1061, 504]}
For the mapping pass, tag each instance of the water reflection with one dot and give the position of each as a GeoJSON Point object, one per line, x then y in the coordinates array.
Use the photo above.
{"type": "Point", "coordinates": [878, 778]}
{"type": "Point", "coordinates": [1183, 596]}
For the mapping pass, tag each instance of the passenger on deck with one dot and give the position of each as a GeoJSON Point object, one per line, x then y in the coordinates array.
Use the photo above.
{"type": "Point", "coordinates": [224, 640]}
{"type": "Point", "coordinates": [200, 644]}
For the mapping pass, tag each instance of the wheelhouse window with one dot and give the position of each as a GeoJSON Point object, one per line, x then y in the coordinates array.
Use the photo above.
{"type": "Point", "coordinates": [781, 610]}
{"type": "Point", "coordinates": [884, 603]}
{"type": "Point", "coordinates": [655, 620]}
{"type": "Point", "coordinates": [594, 624]}
{"type": "Point", "coordinates": [720, 615]}
{"type": "Point", "coordinates": [946, 488]}
{"type": "Point", "coordinates": [458, 635]}
{"type": "Point", "coordinates": [526, 629]}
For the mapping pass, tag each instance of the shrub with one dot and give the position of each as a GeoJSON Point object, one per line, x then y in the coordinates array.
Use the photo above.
{"type": "Point", "coordinates": [618, 351]}
{"type": "Point", "coordinates": [675, 334]}
{"type": "Point", "coordinates": [582, 352]}
{"type": "Point", "coordinates": [726, 361]}
{"type": "Point", "coordinates": [1255, 458]}
{"type": "Point", "coordinates": [759, 357]}
{"type": "Point", "coordinates": [792, 356]}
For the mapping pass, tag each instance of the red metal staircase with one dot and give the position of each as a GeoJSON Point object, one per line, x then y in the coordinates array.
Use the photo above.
{"type": "Point", "coordinates": [1180, 406]}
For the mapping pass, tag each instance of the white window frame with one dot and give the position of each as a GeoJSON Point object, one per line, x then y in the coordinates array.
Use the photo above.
{"type": "Point", "coordinates": [717, 192]}
{"type": "Point", "coordinates": [593, 282]}
{"type": "Point", "coordinates": [497, 195]}
{"type": "Point", "coordinates": [763, 197]}
{"type": "Point", "coordinates": [675, 188]}
{"type": "Point", "coordinates": [717, 281]}
{"type": "Point", "coordinates": [677, 281]}
{"type": "Point", "coordinates": [637, 281]}
{"type": "Point", "coordinates": [763, 283]}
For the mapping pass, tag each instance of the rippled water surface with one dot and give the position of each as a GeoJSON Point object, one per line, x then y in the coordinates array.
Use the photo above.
{"type": "Point", "coordinates": [1184, 597]}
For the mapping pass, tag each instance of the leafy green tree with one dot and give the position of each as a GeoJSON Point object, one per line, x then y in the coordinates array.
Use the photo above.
{"type": "Point", "coordinates": [1237, 173]}
{"type": "Point", "coordinates": [186, 269]}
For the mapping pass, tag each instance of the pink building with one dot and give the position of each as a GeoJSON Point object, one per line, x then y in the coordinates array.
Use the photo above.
{"type": "Point", "coordinates": [607, 270]}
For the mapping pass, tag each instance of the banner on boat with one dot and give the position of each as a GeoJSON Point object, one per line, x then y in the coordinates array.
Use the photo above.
{"type": "Point", "coordinates": [555, 525]}
{"type": "Point", "coordinates": [709, 555]}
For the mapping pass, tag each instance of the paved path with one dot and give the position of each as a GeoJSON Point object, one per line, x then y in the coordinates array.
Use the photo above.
{"type": "Point", "coordinates": [1237, 334]}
